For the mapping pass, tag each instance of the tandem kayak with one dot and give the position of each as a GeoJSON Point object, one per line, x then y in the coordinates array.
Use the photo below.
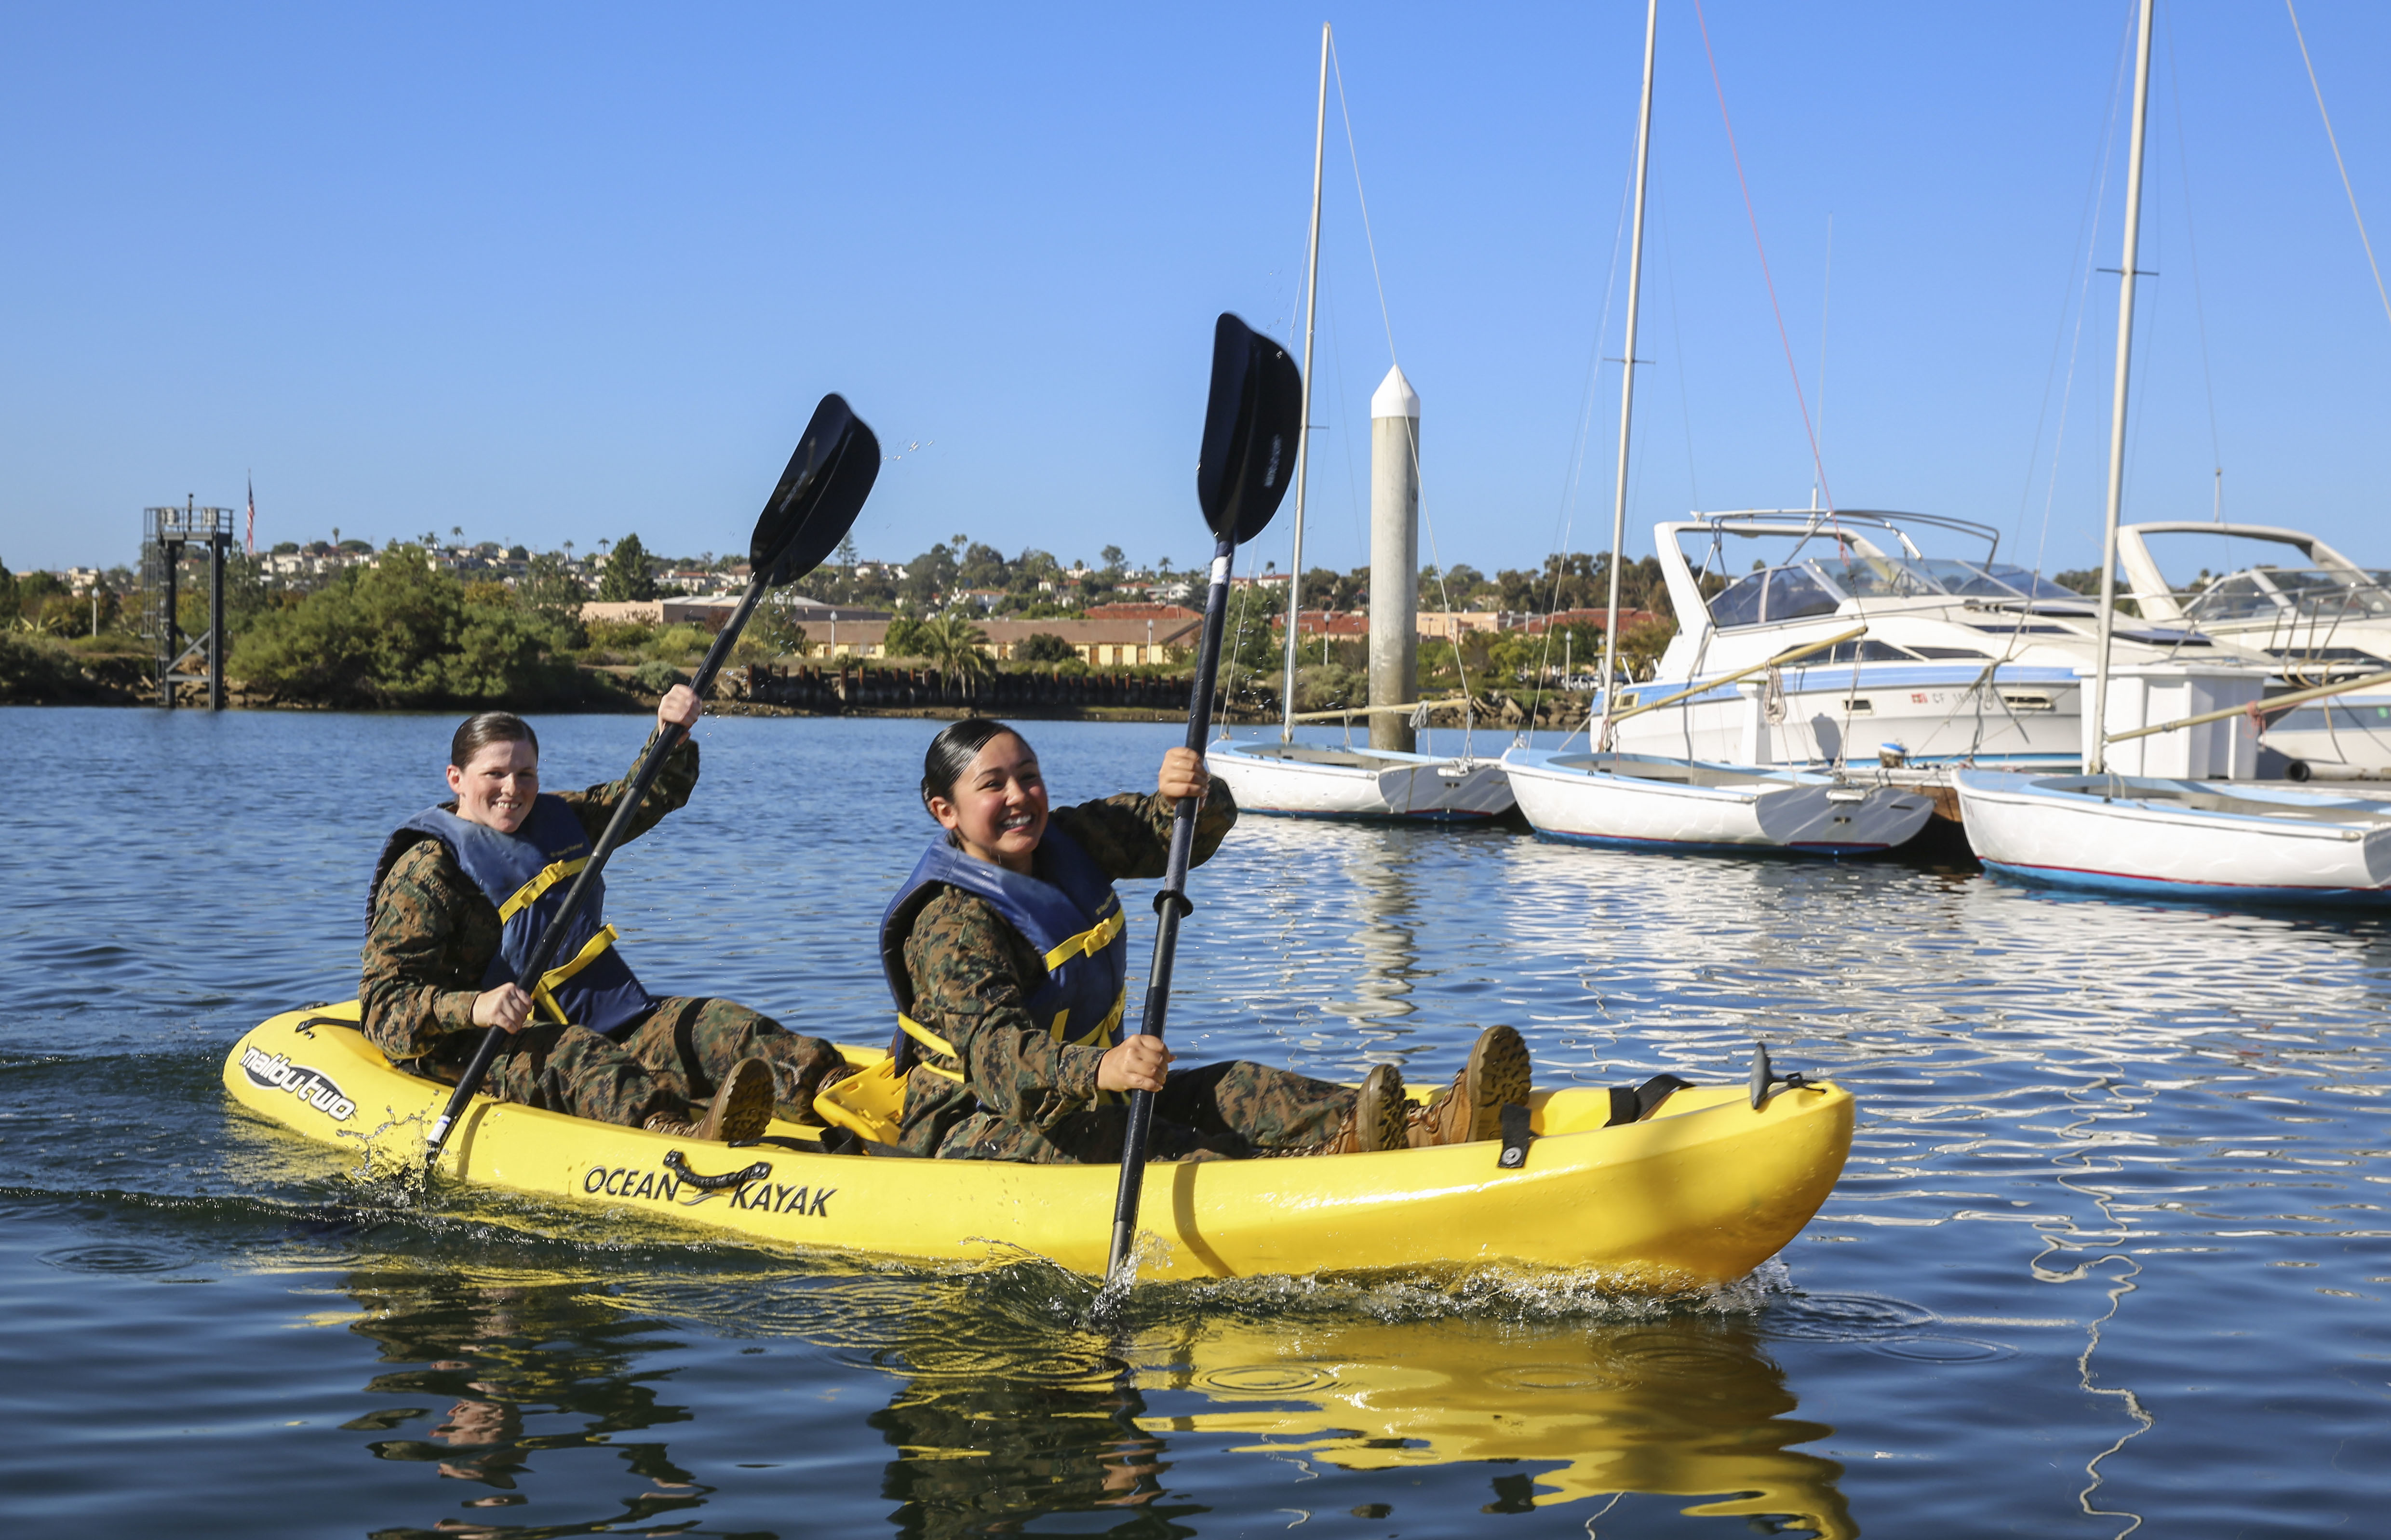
{"type": "Point", "coordinates": [1700, 1191]}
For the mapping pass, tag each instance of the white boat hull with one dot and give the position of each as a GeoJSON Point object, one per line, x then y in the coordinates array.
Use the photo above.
{"type": "Point", "coordinates": [2029, 718]}
{"type": "Point", "coordinates": [1644, 800]}
{"type": "Point", "coordinates": [1302, 781]}
{"type": "Point", "coordinates": [2217, 840]}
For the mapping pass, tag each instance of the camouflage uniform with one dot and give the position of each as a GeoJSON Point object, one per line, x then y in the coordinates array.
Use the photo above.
{"type": "Point", "coordinates": [1029, 1097]}
{"type": "Point", "coordinates": [430, 943]}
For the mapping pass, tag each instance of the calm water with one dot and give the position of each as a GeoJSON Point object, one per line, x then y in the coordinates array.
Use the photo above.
{"type": "Point", "coordinates": [2110, 1253]}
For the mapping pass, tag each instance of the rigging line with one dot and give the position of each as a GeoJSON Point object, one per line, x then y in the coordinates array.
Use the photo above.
{"type": "Point", "coordinates": [1354, 156]}
{"type": "Point", "coordinates": [1801, 398]}
{"type": "Point", "coordinates": [1676, 342]}
{"type": "Point", "coordinates": [2334, 141]}
{"type": "Point", "coordinates": [1566, 521]}
{"type": "Point", "coordinates": [2086, 231]}
{"type": "Point", "coordinates": [2192, 249]}
{"type": "Point", "coordinates": [1826, 311]}
{"type": "Point", "coordinates": [2083, 302]}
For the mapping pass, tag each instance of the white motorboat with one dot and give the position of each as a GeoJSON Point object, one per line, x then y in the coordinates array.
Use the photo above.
{"type": "Point", "coordinates": [1650, 801]}
{"type": "Point", "coordinates": [1307, 780]}
{"type": "Point", "coordinates": [2223, 841]}
{"type": "Point", "coordinates": [1963, 660]}
{"type": "Point", "coordinates": [2322, 618]}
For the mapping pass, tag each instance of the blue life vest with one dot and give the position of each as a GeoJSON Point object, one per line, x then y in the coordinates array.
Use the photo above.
{"type": "Point", "coordinates": [526, 874]}
{"type": "Point", "coordinates": [1068, 911]}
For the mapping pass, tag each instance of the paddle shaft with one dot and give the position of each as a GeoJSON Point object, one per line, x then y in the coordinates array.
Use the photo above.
{"type": "Point", "coordinates": [1169, 905]}
{"type": "Point", "coordinates": [543, 951]}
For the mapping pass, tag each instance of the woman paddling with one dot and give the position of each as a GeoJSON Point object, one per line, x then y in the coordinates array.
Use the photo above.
{"type": "Point", "coordinates": [464, 890]}
{"type": "Point", "coordinates": [1007, 953]}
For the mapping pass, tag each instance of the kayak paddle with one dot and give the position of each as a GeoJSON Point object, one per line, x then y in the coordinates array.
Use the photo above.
{"type": "Point", "coordinates": [808, 514]}
{"type": "Point", "coordinates": [1247, 459]}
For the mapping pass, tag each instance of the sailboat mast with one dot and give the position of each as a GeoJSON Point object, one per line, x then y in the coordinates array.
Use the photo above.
{"type": "Point", "coordinates": [1627, 377]}
{"type": "Point", "coordinates": [1303, 440]}
{"type": "Point", "coordinates": [2096, 754]}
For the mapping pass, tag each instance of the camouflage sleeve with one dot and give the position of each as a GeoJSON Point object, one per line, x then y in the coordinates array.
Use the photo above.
{"type": "Point", "coordinates": [421, 976]}
{"type": "Point", "coordinates": [972, 974]}
{"type": "Point", "coordinates": [1129, 835]}
{"type": "Point", "coordinates": [675, 780]}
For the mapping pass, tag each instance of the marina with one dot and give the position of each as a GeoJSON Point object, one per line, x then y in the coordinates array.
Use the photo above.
{"type": "Point", "coordinates": [1867, 1016]}
{"type": "Point", "coordinates": [2106, 1249]}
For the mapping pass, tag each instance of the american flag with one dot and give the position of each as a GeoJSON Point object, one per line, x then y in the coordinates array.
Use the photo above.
{"type": "Point", "coordinates": [251, 541]}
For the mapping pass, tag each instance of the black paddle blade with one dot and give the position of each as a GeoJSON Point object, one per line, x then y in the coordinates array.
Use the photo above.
{"type": "Point", "coordinates": [1250, 430]}
{"type": "Point", "coordinates": [819, 494]}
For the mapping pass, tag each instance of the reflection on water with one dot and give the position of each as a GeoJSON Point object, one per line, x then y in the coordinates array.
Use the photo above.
{"type": "Point", "coordinates": [997, 1414]}
{"type": "Point", "coordinates": [2109, 1251]}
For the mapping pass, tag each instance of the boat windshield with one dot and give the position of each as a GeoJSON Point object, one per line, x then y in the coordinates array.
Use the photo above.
{"type": "Point", "coordinates": [1821, 584]}
{"type": "Point", "coordinates": [1877, 576]}
{"type": "Point", "coordinates": [2314, 593]}
{"type": "Point", "coordinates": [1994, 580]}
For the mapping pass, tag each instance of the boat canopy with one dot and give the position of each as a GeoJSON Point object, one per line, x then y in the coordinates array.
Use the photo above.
{"type": "Point", "coordinates": [1821, 584]}
{"type": "Point", "coordinates": [2309, 593]}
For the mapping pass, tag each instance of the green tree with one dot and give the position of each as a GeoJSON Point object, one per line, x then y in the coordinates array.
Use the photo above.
{"type": "Point", "coordinates": [1115, 560]}
{"type": "Point", "coordinates": [550, 594]}
{"type": "Point", "coordinates": [903, 638]}
{"type": "Point", "coordinates": [776, 632]}
{"type": "Point", "coordinates": [928, 576]}
{"type": "Point", "coordinates": [1044, 647]}
{"type": "Point", "coordinates": [400, 634]}
{"type": "Point", "coordinates": [627, 576]}
{"type": "Point", "coordinates": [7, 595]}
{"type": "Point", "coordinates": [985, 567]}
{"type": "Point", "coordinates": [952, 644]}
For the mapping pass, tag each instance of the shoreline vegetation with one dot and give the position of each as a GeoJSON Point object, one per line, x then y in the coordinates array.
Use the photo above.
{"type": "Point", "coordinates": [421, 626]}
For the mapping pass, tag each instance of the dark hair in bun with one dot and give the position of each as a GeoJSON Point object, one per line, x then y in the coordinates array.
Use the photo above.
{"type": "Point", "coordinates": [952, 751]}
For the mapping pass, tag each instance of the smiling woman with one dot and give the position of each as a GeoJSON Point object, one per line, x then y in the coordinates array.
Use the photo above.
{"type": "Point", "coordinates": [464, 890]}
{"type": "Point", "coordinates": [1007, 953]}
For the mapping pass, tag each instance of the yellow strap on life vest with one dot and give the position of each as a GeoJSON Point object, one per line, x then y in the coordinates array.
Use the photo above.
{"type": "Point", "coordinates": [528, 894]}
{"type": "Point", "coordinates": [590, 951]}
{"type": "Point", "coordinates": [935, 1045]}
{"type": "Point", "coordinates": [1088, 942]}
{"type": "Point", "coordinates": [1093, 1035]}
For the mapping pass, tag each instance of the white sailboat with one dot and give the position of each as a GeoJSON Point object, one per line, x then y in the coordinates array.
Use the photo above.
{"type": "Point", "coordinates": [1600, 797]}
{"type": "Point", "coordinates": [1312, 780]}
{"type": "Point", "coordinates": [1647, 801]}
{"type": "Point", "coordinates": [2197, 838]}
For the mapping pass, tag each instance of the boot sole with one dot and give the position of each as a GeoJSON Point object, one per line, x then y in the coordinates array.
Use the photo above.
{"type": "Point", "coordinates": [1500, 1073]}
{"type": "Point", "coordinates": [1383, 1105]}
{"type": "Point", "coordinates": [743, 1107]}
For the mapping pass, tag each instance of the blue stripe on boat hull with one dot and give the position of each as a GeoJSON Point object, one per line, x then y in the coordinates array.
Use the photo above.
{"type": "Point", "coordinates": [1708, 848]}
{"type": "Point", "coordinates": [2191, 892]}
{"type": "Point", "coordinates": [1444, 815]}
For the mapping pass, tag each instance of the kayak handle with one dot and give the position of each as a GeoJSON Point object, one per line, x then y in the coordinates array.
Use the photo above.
{"type": "Point", "coordinates": [680, 1167]}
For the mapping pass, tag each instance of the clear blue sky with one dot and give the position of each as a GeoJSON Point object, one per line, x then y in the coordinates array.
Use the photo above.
{"type": "Point", "coordinates": [559, 272]}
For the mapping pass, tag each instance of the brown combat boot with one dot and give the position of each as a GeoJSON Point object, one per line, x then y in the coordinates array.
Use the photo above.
{"type": "Point", "coordinates": [741, 1110]}
{"type": "Point", "coordinates": [1471, 1108]}
{"type": "Point", "coordinates": [1377, 1121]}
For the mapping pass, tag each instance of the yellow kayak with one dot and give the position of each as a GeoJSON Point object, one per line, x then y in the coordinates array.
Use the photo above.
{"type": "Point", "coordinates": [1700, 1192]}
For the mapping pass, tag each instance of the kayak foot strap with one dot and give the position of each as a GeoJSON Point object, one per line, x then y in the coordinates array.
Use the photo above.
{"type": "Point", "coordinates": [1633, 1104]}
{"type": "Point", "coordinates": [1518, 1134]}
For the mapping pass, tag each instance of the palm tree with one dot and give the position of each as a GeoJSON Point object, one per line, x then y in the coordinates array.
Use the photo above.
{"type": "Point", "coordinates": [952, 643]}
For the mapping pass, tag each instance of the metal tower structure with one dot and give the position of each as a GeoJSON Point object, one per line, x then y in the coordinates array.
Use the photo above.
{"type": "Point", "coordinates": [164, 533]}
